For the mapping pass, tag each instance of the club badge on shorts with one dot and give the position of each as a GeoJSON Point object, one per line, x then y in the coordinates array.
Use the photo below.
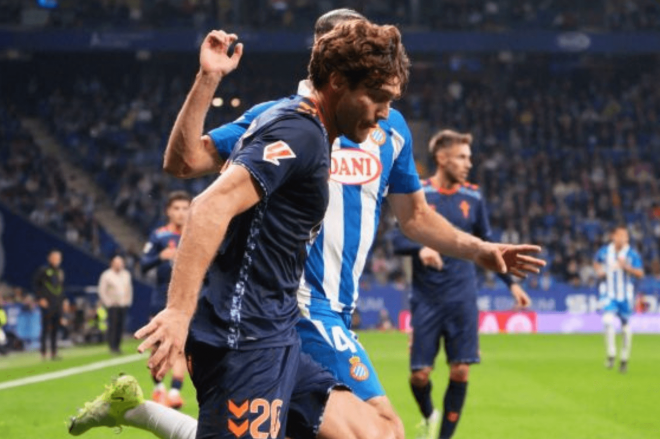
{"type": "Point", "coordinates": [359, 370]}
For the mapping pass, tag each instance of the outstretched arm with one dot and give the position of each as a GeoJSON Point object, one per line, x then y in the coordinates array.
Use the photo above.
{"type": "Point", "coordinates": [189, 153]}
{"type": "Point", "coordinates": [422, 224]}
{"type": "Point", "coordinates": [232, 193]}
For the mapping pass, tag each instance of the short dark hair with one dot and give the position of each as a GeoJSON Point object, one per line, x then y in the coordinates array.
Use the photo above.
{"type": "Point", "coordinates": [329, 20]}
{"type": "Point", "coordinates": [54, 250]}
{"type": "Point", "coordinates": [445, 138]}
{"type": "Point", "coordinates": [178, 196]}
{"type": "Point", "coordinates": [362, 52]}
{"type": "Point", "coordinates": [620, 226]}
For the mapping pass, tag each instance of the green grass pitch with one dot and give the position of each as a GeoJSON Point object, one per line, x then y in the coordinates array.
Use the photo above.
{"type": "Point", "coordinates": [529, 386]}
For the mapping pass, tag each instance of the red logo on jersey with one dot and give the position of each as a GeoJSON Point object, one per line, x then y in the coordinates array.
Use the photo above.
{"type": "Point", "coordinates": [465, 208]}
{"type": "Point", "coordinates": [354, 166]}
{"type": "Point", "coordinates": [277, 151]}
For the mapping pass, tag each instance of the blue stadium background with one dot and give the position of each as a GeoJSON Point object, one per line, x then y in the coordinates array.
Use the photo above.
{"type": "Point", "coordinates": [560, 97]}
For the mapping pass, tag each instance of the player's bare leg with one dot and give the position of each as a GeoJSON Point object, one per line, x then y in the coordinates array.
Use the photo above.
{"type": "Point", "coordinates": [420, 383]}
{"type": "Point", "coordinates": [348, 417]}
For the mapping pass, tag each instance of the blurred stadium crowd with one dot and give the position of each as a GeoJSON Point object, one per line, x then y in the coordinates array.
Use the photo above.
{"type": "Point", "coordinates": [564, 144]}
{"type": "Point", "coordinates": [487, 15]}
{"type": "Point", "coordinates": [560, 160]}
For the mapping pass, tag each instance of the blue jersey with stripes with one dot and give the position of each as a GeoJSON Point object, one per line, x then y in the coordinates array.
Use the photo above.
{"type": "Point", "coordinates": [360, 176]}
{"type": "Point", "coordinates": [249, 301]}
{"type": "Point", "coordinates": [465, 208]}
{"type": "Point", "coordinates": [618, 285]}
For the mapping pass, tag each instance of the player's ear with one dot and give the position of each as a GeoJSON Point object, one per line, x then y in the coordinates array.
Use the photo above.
{"type": "Point", "coordinates": [337, 81]}
{"type": "Point", "coordinates": [441, 157]}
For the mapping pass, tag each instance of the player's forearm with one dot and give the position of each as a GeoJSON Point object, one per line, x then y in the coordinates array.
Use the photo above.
{"type": "Point", "coordinates": [402, 245]}
{"type": "Point", "coordinates": [635, 272]}
{"type": "Point", "coordinates": [204, 232]}
{"type": "Point", "coordinates": [433, 230]}
{"type": "Point", "coordinates": [185, 152]}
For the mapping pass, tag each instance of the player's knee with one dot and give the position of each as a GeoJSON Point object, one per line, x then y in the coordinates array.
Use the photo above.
{"type": "Point", "coordinates": [420, 378]}
{"type": "Point", "coordinates": [459, 372]}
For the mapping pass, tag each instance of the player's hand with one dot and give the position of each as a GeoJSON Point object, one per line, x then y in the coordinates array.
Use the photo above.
{"type": "Point", "coordinates": [431, 258]}
{"type": "Point", "coordinates": [213, 57]}
{"type": "Point", "coordinates": [623, 263]}
{"type": "Point", "coordinates": [513, 259]}
{"type": "Point", "coordinates": [167, 254]}
{"type": "Point", "coordinates": [166, 336]}
{"type": "Point", "coordinates": [522, 299]}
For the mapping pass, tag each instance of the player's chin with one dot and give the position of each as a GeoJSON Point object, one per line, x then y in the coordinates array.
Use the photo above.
{"type": "Point", "coordinates": [357, 135]}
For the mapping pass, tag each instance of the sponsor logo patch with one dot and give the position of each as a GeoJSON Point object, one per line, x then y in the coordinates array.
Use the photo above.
{"type": "Point", "coordinates": [353, 166]}
{"type": "Point", "coordinates": [277, 151]}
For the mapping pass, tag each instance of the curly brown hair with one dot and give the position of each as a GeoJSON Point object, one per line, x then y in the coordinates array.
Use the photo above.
{"type": "Point", "coordinates": [364, 53]}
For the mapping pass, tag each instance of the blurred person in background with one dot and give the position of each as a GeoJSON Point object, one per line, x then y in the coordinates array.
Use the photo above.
{"type": "Point", "coordinates": [3, 322]}
{"type": "Point", "coordinates": [618, 265]}
{"type": "Point", "coordinates": [49, 288]}
{"type": "Point", "coordinates": [116, 295]}
{"type": "Point", "coordinates": [159, 254]}
{"type": "Point", "coordinates": [444, 294]}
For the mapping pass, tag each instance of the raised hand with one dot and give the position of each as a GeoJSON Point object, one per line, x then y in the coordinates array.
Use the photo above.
{"type": "Point", "coordinates": [213, 56]}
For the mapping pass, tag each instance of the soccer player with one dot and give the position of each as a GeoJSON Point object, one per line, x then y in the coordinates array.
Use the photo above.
{"type": "Point", "coordinates": [444, 292]}
{"type": "Point", "coordinates": [159, 254]}
{"type": "Point", "coordinates": [200, 156]}
{"type": "Point", "coordinates": [619, 265]}
{"type": "Point", "coordinates": [253, 226]}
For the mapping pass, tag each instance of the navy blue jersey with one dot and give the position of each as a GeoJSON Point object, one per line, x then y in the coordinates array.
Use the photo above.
{"type": "Point", "coordinates": [465, 208]}
{"type": "Point", "coordinates": [159, 240]}
{"type": "Point", "coordinates": [250, 300]}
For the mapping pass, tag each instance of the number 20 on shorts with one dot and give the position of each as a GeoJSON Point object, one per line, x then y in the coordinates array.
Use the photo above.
{"type": "Point", "coordinates": [264, 410]}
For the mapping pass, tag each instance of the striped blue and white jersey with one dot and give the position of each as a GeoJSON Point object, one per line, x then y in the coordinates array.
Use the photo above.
{"type": "Point", "coordinates": [361, 175]}
{"type": "Point", "coordinates": [618, 285]}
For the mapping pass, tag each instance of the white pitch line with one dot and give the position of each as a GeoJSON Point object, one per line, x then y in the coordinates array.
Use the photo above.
{"type": "Point", "coordinates": [68, 372]}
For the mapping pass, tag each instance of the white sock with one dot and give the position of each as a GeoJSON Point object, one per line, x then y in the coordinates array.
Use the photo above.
{"type": "Point", "coordinates": [627, 342]}
{"type": "Point", "coordinates": [610, 335]}
{"type": "Point", "coordinates": [164, 422]}
{"type": "Point", "coordinates": [160, 387]}
{"type": "Point", "coordinates": [174, 392]}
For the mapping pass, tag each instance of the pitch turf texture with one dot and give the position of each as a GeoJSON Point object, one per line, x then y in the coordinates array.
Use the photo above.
{"type": "Point", "coordinates": [531, 386]}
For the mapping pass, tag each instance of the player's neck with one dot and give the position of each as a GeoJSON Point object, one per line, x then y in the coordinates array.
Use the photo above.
{"type": "Point", "coordinates": [326, 114]}
{"type": "Point", "coordinates": [439, 180]}
{"type": "Point", "coordinates": [173, 227]}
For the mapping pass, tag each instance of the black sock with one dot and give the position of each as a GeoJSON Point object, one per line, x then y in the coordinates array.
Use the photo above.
{"type": "Point", "coordinates": [177, 383]}
{"type": "Point", "coordinates": [156, 380]}
{"type": "Point", "coordinates": [423, 398]}
{"type": "Point", "coordinates": [454, 399]}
